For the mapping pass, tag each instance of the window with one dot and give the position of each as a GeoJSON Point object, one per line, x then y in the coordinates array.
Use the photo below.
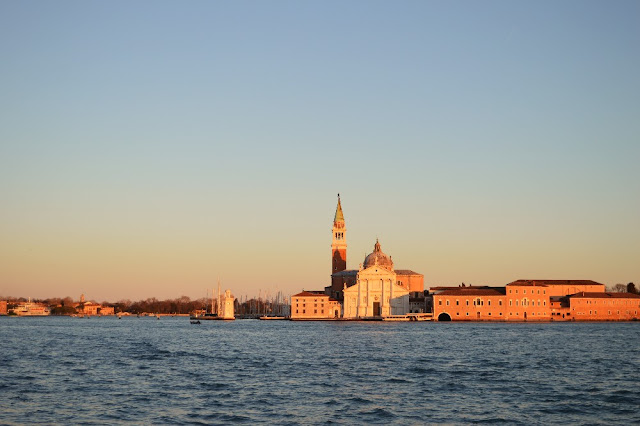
{"type": "Point", "coordinates": [524, 291]}
{"type": "Point", "coordinates": [304, 311]}
{"type": "Point", "coordinates": [489, 303]}
{"type": "Point", "coordinates": [516, 291]}
{"type": "Point", "coordinates": [500, 303]}
{"type": "Point", "coordinates": [297, 311]}
{"type": "Point", "coordinates": [467, 302]}
{"type": "Point", "coordinates": [467, 313]}
{"type": "Point", "coordinates": [457, 302]}
{"type": "Point", "coordinates": [510, 304]}
{"type": "Point", "coordinates": [447, 303]}
{"type": "Point", "coordinates": [315, 311]}
{"type": "Point", "coordinates": [440, 302]}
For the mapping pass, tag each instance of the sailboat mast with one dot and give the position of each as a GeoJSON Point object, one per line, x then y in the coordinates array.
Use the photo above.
{"type": "Point", "coordinates": [218, 310]}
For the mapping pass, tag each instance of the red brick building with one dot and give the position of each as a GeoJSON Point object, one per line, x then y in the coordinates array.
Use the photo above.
{"type": "Point", "coordinates": [535, 300]}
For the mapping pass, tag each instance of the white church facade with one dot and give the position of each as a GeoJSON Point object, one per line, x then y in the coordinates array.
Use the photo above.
{"type": "Point", "coordinates": [375, 293]}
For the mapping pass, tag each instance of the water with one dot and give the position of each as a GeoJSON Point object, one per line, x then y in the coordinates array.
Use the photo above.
{"type": "Point", "coordinates": [141, 370]}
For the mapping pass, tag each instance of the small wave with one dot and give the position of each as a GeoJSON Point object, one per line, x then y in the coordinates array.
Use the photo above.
{"type": "Point", "coordinates": [378, 413]}
{"type": "Point", "coordinates": [358, 400]}
{"type": "Point", "coordinates": [214, 386]}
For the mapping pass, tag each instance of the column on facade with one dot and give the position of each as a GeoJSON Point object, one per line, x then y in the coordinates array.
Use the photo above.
{"type": "Point", "coordinates": [366, 306]}
{"type": "Point", "coordinates": [383, 302]}
{"type": "Point", "coordinates": [358, 283]}
{"type": "Point", "coordinates": [390, 297]}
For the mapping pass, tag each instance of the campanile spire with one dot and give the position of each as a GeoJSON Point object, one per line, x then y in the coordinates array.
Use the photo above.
{"type": "Point", "coordinates": [339, 241]}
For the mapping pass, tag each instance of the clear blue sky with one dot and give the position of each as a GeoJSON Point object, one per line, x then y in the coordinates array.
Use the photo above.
{"type": "Point", "coordinates": [148, 147]}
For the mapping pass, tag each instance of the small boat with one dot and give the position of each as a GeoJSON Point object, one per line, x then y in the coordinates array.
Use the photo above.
{"type": "Point", "coordinates": [195, 322]}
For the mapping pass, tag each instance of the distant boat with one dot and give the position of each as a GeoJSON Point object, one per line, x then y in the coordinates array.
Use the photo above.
{"type": "Point", "coordinates": [206, 317]}
{"type": "Point", "coordinates": [272, 317]}
{"type": "Point", "coordinates": [195, 322]}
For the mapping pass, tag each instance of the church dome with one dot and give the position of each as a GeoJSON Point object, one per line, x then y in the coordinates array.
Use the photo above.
{"type": "Point", "coordinates": [378, 258]}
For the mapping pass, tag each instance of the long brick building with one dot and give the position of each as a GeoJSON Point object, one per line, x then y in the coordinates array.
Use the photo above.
{"type": "Point", "coordinates": [535, 300]}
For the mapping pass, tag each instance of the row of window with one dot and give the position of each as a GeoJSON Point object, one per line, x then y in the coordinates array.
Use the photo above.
{"type": "Point", "coordinates": [525, 302]}
{"type": "Point", "coordinates": [609, 312]}
{"type": "Point", "coordinates": [611, 302]}
{"type": "Point", "coordinates": [479, 302]}
{"type": "Point", "coordinates": [524, 291]}
{"type": "Point", "coordinates": [500, 314]}
{"type": "Point", "coordinates": [315, 311]}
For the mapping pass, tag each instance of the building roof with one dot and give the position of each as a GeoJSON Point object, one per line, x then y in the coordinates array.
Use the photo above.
{"type": "Point", "coordinates": [346, 272]}
{"type": "Point", "coordinates": [339, 217]}
{"type": "Point", "coordinates": [406, 272]}
{"type": "Point", "coordinates": [543, 283]}
{"type": "Point", "coordinates": [593, 295]}
{"type": "Point", "coordinates": [468, 286]}
{"type": "Point", "coordinates": [470, 291]}
{"type": "Point", "coordinates": [378, 258]}
{"type": "Point", "coordinates": [310, 294]}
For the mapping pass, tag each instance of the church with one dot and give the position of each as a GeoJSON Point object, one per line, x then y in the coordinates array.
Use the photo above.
{"type": "Point", "coordinates": [376, 288]}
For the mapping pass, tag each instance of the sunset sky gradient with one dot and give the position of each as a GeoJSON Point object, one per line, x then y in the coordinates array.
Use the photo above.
{"type": "Point", "coordinates": [149, 147]}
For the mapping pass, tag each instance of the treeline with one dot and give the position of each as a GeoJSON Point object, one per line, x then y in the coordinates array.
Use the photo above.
{"type": "Point", "coordinates": [181, 305]}
{"type": "Point", "coordinates": [624, 288]}
{"type": "Point", "coordinates": [67, 306]}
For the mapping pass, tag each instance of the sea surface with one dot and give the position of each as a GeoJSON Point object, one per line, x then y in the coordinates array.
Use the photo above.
{"type": "Point", "coordinates": [148, 371]}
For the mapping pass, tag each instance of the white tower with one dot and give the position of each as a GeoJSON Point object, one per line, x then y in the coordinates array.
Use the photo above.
{"type": "Point", "coordinates": [227, 307]}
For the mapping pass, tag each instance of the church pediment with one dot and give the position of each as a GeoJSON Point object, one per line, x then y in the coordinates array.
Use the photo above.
{"type": "Point", "coordinates": [376, 271]}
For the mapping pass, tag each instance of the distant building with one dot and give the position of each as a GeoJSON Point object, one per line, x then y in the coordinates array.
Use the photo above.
{"type": "Point", "coordinates": [604, 306]}
{"type": "Point", "coordinates": [535, 300]}
{"type": "Point", "coordinates": [106, 310]}
{"type": "Point", "coordinates": [89, 308]}
{"type": "Point", "coordinates": [228, 312]}
{"type": "Point", "coordinates": [3, 307]}
{"type": "Point", "coordinates": [376, 288]}
{"type": "Point", "coordinates": [314, 305]}
{"type": "Point", "coordinates": [376, 292]}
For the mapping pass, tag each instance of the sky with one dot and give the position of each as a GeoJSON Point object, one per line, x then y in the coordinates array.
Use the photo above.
{"type": "Point", "coordinates": [150, 148]}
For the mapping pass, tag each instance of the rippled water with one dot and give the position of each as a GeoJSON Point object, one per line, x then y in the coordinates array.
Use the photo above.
{"type": "Point", "coordinates": [104, 370]}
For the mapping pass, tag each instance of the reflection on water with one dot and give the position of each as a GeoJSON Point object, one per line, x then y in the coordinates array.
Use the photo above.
{"type": "Point", "coordinates": [105, 370]}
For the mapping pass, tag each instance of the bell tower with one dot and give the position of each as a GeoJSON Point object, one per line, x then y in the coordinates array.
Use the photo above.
{"type": "Point", "coordinates": [339, 242]}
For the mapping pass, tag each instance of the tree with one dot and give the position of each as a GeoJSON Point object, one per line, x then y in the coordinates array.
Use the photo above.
{"type": "Point", "coordinates": [620, 288]}
{"type": "Point", "coordinates": [631, 288]}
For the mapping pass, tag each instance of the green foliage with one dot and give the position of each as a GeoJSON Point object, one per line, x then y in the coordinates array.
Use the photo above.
{"type": "Point", "coordinates": [63, 310]}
